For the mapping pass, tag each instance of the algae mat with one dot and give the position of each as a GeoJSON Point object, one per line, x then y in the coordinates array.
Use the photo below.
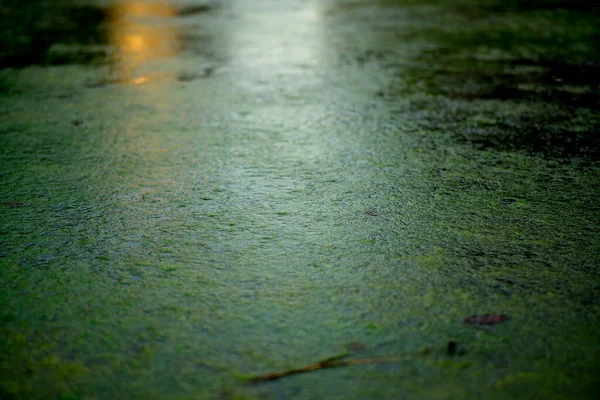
{"type": "Point", "coordinates": [195, 194]}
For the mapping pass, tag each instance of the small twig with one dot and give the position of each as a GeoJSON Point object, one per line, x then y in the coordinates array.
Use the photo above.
{"type": "Point", "coordinates": [326, 363]}
{"type": "Point", "coordinates": [332, 362]}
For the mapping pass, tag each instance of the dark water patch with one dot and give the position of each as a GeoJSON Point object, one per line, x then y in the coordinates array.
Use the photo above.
{"type": "Point", "coordinates": [28, 32]}
{"type": "Point", "coordinates": [551, 56]}
{"type": "Point", "coordinates": [498, 77]}
{"type": "Point", "coordinates": [553, 142]}
{"type": "Point", "coordinates": [574, 85]}
{"type": "Point", "coordinates": [543, 129]}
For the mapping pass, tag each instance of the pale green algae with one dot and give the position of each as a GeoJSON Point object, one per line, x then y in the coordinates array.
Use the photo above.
{"type": "Point", "coordinates": [375, 188]}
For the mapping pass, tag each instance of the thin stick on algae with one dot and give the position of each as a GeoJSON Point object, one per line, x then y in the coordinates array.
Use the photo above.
{"type": "Point", "coordinates": [332, 362]}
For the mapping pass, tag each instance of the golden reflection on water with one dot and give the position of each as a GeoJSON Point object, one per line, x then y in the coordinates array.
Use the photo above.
{"type": "Point", "coordinates": [144, 39]}
{"type": "Point", "coordinates": [141, 36]}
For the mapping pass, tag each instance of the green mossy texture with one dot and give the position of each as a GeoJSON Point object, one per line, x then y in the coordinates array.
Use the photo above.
{"type": "Point", "coordinates": [381, 171]}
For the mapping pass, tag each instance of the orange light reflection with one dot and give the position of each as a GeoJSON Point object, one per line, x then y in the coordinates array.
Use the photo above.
{"type": "Point", "coordinates": [140, 37]}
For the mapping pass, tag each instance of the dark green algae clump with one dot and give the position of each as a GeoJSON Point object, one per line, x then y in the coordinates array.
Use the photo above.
{"type": "Point", "coordinates": [185, 235]}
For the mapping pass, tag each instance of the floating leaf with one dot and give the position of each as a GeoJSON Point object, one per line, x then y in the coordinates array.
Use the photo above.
{"type": "Point", "coordinates": [487, 319]}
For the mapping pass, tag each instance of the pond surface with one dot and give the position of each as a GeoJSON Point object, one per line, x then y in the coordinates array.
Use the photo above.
{"type": "Point", "coordinates": [197, 193]}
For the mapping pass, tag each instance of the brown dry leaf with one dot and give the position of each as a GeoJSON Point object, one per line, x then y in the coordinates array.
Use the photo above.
{"type": "Point", "coordinates": [486, 319]}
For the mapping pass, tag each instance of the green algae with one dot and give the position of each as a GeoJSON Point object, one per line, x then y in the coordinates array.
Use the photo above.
{"type": "Point", "coordinates": [533, 73]}
{"type": "Point", "coordinates": [188, 235]}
